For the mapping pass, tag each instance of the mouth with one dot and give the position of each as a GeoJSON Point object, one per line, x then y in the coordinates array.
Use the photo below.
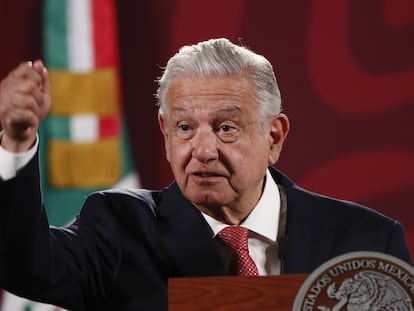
{"type": "Point", "coordinates": [207, 177]}
{"type": "Point", "coordinates": [200, 174]}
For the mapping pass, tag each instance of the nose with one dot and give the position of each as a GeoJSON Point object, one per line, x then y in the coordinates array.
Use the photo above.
{"type": "Point", "coordinates": [205, 145]}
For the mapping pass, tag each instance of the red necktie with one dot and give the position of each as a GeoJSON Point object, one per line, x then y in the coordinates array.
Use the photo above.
{"type": "Point", "coordinates": [236, 238]}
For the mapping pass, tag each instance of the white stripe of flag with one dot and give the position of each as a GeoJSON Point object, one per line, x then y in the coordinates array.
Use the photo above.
{"type": "Point", "coordinates": [80, 40]}
{"type": "Point", "coordinates": [84, 128]}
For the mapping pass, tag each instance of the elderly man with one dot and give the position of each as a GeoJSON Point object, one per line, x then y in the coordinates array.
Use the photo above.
{"type": "Point", "coordinates": [228, 211]}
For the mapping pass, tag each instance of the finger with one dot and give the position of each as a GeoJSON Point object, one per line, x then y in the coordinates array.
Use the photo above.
{"type": "Point", "coordinates": [28, 89]}
{"type": "Point", "coordinates": [26, 102]}
{"type": "Point", "coordinates": [46, 81]}
{"type": "Point", "coordinates": [45, 92]}
{"type": "Point", "coordinates": [42, 71]}
{"type": "Point", "coordinates": [26, 86]}
{"type": "Point", "coordinates": [27, 71]}
{"type": "Point", "coordinates": [24, 79]}
{"type": "Point", "coordinates": [23, 95]}
{"type": "Point", "coordinates": [22, 70]}
{"type": "Point", "coordinates": [38, 66]}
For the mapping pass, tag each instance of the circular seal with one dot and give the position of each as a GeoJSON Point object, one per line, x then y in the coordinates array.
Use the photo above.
{"type": "Point", "coordinates": [358, 281]}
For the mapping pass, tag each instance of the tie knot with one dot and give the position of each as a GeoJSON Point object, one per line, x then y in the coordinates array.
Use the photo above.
{"type": "Point", "coordinates": [235, 237]}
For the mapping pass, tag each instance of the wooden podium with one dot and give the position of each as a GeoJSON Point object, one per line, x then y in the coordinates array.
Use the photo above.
{"type": "Point", "coordinates": [236, 293]}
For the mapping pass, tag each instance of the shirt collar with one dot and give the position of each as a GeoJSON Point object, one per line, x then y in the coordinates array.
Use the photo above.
{"type": "Point", "coordinates": [264, 218]}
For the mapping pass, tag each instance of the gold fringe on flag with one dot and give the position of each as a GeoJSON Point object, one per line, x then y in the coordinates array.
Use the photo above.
{"type": "Point", "coordinates": [84, 165]}
{"type": "Point", "coordinates": [94, 92]}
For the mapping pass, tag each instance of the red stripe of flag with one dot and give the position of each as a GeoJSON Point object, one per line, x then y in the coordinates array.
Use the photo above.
{"type": "Point", "coordinates": [104, 34]}
{"type": "Point", "coordinates": [109, 127]}
{"type": "Point", "coordinates": [106, 39]}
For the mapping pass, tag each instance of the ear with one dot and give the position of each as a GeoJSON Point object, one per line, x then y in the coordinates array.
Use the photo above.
{"type": "Point", "coordinates": [164, 130]}
{"type": "Point", "coordinates": [278, 130]}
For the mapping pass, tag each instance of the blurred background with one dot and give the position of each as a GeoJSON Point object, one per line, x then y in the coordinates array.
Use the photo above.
{"type": "Point", "coordinates": [345, 69]}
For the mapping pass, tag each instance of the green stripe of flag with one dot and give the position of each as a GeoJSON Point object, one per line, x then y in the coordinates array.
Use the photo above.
{"type": "Point", "coordinates": [58, 128]}
{"type": "Point", "coordinates": [55, 33]}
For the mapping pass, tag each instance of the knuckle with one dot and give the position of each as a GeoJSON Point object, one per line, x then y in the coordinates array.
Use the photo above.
{"type": "Point", "coordinates": [31, 86]}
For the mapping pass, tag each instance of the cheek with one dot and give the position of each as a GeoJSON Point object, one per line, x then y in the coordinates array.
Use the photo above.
{"type": "Point", "coordinates": [254, 150]}
{"type": "Point", "coordinates": [178, 153]}
{"type": "Point", "coordinates": [254, 159]}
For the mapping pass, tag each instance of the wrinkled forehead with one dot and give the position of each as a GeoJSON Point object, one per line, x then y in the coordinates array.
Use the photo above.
{"type": "Point", "coordinates": [229, 95]}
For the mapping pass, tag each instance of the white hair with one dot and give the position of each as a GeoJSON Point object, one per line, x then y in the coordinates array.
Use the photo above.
{"type": "Point", "coordinates": [221, 58]}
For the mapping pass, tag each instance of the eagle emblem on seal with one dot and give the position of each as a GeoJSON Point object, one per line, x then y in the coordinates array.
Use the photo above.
{"type": "Point", "coordinates": [368, 291]}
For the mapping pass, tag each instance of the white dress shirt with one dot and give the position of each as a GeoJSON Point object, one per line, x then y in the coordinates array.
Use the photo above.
{"type": "Point", "coordinates": [11, 162]}
{"type": "Point", "coordinates": [263, 225]}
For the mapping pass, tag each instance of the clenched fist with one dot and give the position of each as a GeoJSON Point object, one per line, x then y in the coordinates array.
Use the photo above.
{"type": "Point", "coordinates": [24, 103]}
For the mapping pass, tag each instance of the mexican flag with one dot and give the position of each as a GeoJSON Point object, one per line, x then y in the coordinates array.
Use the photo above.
{"type": "Point", "coordinates": [83, 141]}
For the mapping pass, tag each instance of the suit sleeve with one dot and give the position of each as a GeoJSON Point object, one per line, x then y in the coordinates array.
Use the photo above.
{"type": "Point", "coordinates": [68, 266]}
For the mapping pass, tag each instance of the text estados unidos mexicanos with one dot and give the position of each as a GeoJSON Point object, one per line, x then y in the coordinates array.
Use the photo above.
{"type": "Point", "coordinates": [326, 279]}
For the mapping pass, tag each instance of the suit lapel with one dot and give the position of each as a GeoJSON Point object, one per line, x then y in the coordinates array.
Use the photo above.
{"type": "Point", "coordinates": [187, 237]}
{"type": "Point", "coordinates": [308, 235]}
{"type": "Point", "coordinates": [308, 246]}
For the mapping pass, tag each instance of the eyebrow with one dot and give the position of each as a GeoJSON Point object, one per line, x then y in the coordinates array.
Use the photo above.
{"type": "Point", "coordinates": [227, 110]}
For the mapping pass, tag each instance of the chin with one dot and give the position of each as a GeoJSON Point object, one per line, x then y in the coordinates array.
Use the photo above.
{"type": "Point", "coordinates": [207, 200]}
{"type": "Point", "coordinates": [213, 195]}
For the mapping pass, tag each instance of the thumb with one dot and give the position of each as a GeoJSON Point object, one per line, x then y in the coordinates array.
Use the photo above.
{"type": "Point", "coordinates": [45, 89]}
{"type": "Point", "coordinates": [46, 82]}
{"type": "Point", "coordinates": [42, 71]}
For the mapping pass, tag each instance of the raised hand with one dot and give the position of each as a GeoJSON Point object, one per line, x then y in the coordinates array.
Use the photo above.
{"type": "Point", "coordinates": [24, 103]}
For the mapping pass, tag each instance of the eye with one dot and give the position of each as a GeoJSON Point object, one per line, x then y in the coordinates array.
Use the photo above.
{"type": "Point", "coordinates": [184, 130]}
{"type": "Point", "coordinates": [226, 128]}
{"type": "Point", "coordinates": [227, 132]}
{"type": "Point", "coordinates": [184, 127]}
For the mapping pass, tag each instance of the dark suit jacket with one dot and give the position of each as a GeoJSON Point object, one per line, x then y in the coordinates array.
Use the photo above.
{"type": "Point", "coordinates": [121, 250]}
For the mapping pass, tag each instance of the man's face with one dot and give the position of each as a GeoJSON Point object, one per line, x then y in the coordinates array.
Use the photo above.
{"type": "Point", "coordinates": [216, 144]}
